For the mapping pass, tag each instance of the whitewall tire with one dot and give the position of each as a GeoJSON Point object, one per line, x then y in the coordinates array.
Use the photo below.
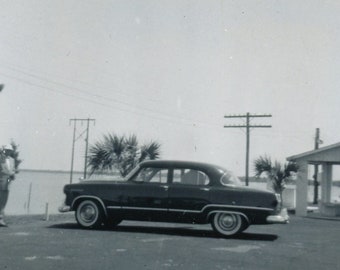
{"type": "Point", "coordinates": [89, 214]}
{"type": "Point", "coordinates": [227, 224]}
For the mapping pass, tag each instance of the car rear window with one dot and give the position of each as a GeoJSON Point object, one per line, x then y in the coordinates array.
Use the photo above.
{"type": "Point", "coordinates": [229, 178]}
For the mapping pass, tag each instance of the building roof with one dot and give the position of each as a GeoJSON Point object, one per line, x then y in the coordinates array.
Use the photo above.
{"type": "Point", "coordinates": [330, 153]}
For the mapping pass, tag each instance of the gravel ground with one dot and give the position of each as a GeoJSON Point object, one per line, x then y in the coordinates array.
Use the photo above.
{"type": "Point", "coordinates": [29, 219]}
{"type": "Point", "coordinates": [32, 243]}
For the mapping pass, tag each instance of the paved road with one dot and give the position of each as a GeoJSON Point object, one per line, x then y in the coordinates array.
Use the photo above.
{"type": "Point", "coordinates": [31, 243]}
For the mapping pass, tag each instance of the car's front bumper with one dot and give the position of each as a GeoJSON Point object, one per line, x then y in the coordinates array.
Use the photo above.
{"type": "Point", "coordinates": [281, 218]}
{"type": "Point", "coordinates": [64, 208]}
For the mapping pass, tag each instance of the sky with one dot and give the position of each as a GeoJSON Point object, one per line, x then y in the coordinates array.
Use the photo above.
{"type": "Point", "coordinates": [169, 71]}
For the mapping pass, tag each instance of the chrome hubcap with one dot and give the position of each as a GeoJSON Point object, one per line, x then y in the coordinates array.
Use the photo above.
{"type": "Point", "coordinates": [227, 221]}
{"type": "Point", "coordinates": [88, 213]}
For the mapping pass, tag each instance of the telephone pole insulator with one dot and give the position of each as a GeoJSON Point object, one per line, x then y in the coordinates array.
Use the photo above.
{"type": "Point", "coordinates": [248, 116]}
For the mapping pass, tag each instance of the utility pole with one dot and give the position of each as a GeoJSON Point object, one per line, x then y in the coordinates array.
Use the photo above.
{"type": "Point", "coordinates": [87, 130]}
{"type": "Point", "coordinates": [86, 146]}
{"type": "Point", "coordinates": [73, 143]}
{"type": "Point", "coordinates": [248, 126]}
{"type": "Point", "coordinates": [317, 141]}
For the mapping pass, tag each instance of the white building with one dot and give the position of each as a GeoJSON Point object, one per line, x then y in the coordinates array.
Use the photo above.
{"type": "Point", "coordinates": [327, 157]}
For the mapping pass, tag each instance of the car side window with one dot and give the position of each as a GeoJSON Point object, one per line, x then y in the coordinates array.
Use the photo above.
{"type": "Point", "coordinates": [190, 177]}
{"type": "Point", "coordinates": [151, 175]}
{"type": "Point", "coordinates": [229, 178]}
{"type": "Point", "coordinates": [161, 176]}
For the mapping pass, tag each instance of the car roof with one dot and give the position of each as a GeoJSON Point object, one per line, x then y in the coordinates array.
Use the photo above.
{"type": "Point", "coordinates": [184, 164]}
{"type": "Point", "coordinates": [213, 171]}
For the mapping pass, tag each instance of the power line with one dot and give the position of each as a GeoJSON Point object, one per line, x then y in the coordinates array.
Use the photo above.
{"type": "Point", "coordinates": [91, 95]}
{"type": "Point", "coordinates": [130, 107]}
{"type": "Point", "coordinates": [247, 116]}
{"type": "Point", "coordinates": [86, 99]}
{"type": "Point", "coordinates": [84, 92]}
{"type": "Point", "coordinates": [121, 92]}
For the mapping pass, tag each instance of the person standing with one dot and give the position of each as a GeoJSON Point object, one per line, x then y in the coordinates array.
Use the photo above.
{"type": "Point", "coordinates": [7, 171]}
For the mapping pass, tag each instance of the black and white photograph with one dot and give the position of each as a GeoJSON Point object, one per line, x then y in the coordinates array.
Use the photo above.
{"type": "Point", "coordinates": [169, 134]}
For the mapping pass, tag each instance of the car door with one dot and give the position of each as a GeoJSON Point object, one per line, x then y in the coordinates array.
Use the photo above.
{"type": "Point", "coordinates": [189, 192]}
{"type": "Point", "coordinates": [145, 195]}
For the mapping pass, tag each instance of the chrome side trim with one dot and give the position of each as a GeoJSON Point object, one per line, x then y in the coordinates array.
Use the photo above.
{"type": "Point", "coordinates": [184, 210]}
{"type": "Point", "coordinates": [222, 206]}
{"type": "Point", "coordinates": [89, 197]}
{"type": "Point", "coordinates": [192, 211]}
{"type": "Point", "coordinates": [137, 208]}
{"type": "Point", "coordinates": [237, 207]}
{"type": "Point", "coordinates": [114, 207]}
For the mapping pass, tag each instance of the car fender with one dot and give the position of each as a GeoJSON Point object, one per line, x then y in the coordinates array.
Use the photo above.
{"type": "Point", "coordinates": [83, 197]}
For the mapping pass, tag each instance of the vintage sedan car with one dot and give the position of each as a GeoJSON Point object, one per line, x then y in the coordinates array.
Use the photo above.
{"type": "Point", "coordinates": [174, 191]}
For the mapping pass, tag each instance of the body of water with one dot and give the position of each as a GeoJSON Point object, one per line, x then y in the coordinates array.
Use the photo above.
{"type": "Point", "coordinates": [32, 190]}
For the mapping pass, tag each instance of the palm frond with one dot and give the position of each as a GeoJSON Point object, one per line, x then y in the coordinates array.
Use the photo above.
{"type": "Point", "coordinates": [262, 165]}
{"type": "Point", "coordinates": [120, 153]}
{"type": "Point", "coordinates": [150, 151]}
{"type": "Point", "coordinates": [278, 173]}
{"type": "Point", "coordinates": [291, 167]}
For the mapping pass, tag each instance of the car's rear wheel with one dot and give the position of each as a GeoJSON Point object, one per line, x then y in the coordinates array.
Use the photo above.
{"type": "Point", "coordinates": [89, 214]}
{"type": "Point", "coordinates": [227, 224]}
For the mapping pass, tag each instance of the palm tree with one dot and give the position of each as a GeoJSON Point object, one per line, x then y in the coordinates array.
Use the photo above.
{"type": "Point", "coordinates": [278, 173]}
{"type": "Point", "coordinates": [120, 153]}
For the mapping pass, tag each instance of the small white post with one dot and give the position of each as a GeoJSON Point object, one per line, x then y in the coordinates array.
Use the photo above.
{"type": "Point", "coordinates": [46, 212]}
{"type": "Point", "coordinates": [29, 198]}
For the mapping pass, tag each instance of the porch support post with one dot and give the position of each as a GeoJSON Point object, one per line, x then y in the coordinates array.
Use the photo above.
{"type": "Point", "coordinates": [326, 183]}
{"type": "Point", "coordinates": [302, 190]}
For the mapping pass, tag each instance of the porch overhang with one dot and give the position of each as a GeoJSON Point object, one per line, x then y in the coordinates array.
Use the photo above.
{"type": "Point", "coordinates": [326, 157]}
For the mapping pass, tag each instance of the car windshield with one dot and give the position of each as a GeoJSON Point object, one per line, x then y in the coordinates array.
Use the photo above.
{"type": "Point", "coordinates": [229, 178]}
{"type": "Point", "coordinates": [131, 173]}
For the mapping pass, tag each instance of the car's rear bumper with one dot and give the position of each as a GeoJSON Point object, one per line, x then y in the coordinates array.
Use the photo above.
{"type": "Point", "coordinates": [64, 208]}
{"type": "Point", "coordinates": [281, 218]}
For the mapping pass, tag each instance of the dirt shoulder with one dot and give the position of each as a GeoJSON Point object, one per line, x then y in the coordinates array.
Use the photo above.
{"type": "Point", "coordinates": [29, 219]}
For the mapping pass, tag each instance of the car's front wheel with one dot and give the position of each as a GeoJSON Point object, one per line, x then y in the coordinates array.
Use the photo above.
{"type": "Point", "coordinates": [227, 224]}
{"type": "Point", "coordinates": [89, 214]}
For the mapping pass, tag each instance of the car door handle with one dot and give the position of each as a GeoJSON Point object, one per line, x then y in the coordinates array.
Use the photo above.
{"type": "Point", "coordinates": [166, 187]}
{"type": "Point", "coordinates": [205, 189]}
